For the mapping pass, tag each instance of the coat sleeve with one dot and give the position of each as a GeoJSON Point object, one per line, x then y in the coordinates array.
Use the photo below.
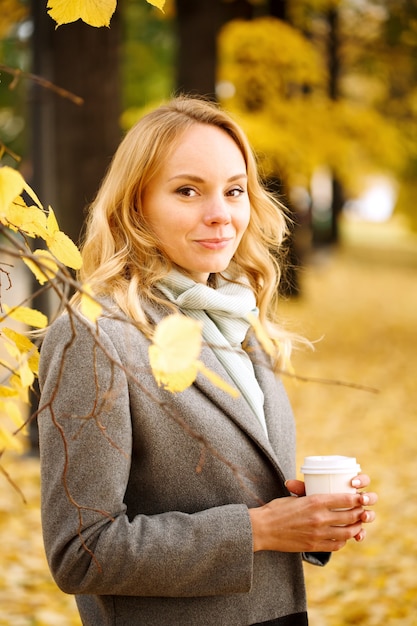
{"type": "Point", "coordinates": [85, 440]}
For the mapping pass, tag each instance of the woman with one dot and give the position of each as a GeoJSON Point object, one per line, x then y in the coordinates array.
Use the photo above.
{"type": "Point", "coordinates": [176, 509]}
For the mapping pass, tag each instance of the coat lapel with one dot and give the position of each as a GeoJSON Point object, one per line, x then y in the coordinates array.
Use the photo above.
{"type": "Point", "coordinates": [237, 409]}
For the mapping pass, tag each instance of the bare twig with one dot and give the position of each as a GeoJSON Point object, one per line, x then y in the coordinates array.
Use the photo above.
{"type": "Point", "coordinates": [19, 74]}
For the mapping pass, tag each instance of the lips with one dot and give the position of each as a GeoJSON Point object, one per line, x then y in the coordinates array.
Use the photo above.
{"type": "Point", "coordinates": [214, 243]}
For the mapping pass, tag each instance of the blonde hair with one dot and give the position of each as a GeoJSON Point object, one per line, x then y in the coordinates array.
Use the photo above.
{"type": "Point", "coordinates": [122, 258]}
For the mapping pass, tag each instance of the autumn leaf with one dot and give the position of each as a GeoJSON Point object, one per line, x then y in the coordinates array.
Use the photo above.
{"type": "Point", "coordinates": [47, 267]}
{"type": "Point", "coordinates": [6, 392]}
{"type": "Point", "coordinates": [217, 380]}
{"type": "Point", "coordinates": [61, 246]}
{"type": "Point", "coordinates": [11, 186]}
{"type": "Point", "coordinates": [30, 220]}
{"type": "Point", "coordinates": [263, 338]}
{"type": "Point", "coordinates": [22, 368]}
{"type": "Point", "coordinates": [13, 412]}
{"type": "Point", "coordinates": [9, 441]}
{"type": "Point", "coordinates": [26, 315]}
{"type": "Point", "coordinates": [157, 3]}
{"type": "Point", "coordinates": [93, 12]}
{"type": "Point", "coordinates": [90, 308]}
{"type": "Point", "coordinates": [25, 346]}
{"type": "Point", "coordinates": [173, 355]}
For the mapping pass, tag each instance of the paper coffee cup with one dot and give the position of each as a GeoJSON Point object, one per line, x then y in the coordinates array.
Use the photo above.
{"type": "Point", "coordinates": [329, 474]}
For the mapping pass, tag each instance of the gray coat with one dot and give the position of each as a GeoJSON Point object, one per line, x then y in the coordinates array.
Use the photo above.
{"type": "Point", "coordinates": [145, 493]}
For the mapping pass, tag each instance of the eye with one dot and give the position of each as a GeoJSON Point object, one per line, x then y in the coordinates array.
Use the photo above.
{"type": "Point", "coordinates": [236, 191]}
{"type": "Point", "coordinates": [188, 192]}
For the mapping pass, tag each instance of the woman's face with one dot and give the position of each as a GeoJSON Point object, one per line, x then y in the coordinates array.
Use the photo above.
{"type": "Point", "coordinates": [197, 204]}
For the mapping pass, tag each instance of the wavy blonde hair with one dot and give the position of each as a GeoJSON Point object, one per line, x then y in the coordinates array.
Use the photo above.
{"type": "Point", "coordinates": [121, 256]}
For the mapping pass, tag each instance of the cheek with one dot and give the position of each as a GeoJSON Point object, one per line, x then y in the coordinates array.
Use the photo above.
{"type": "Point", "coordinates": [244, 221]}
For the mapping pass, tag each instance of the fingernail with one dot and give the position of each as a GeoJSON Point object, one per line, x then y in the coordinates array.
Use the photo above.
{"type": "Point", "coordinates": [365, 499]}
{"type": "Point", "coordinates": [356, 482]}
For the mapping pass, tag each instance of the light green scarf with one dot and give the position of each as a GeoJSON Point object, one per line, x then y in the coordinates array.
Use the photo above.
{"type": "Point", "coordinates": [223, 312]}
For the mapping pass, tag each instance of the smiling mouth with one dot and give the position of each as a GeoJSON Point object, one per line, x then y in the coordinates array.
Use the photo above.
{"type": "Point", "coordinates": [214, 243]}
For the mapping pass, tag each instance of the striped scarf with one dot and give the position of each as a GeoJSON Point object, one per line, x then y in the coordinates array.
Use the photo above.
{"type": "Point", "coordinates": [223, 312]}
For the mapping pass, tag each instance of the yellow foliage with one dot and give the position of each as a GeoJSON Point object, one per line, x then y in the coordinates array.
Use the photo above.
{"type": "Point", "coordinates": [30, 220]}
{"type": "Point", "coordinates": [174, 355]}
{"type": "Point", "coordinates": [217, 381]}
{"type": "Point", "coordinates": [89, 306]}
{"type": "Point", "coordinates": [64, 249]}
{"type": "Point", "coordinates": [26, 315]}
{"type": "Point", "coordinates": [157, 3]}
{"type": "Point", "coordinates": [45, 267]}
{"type": "Point", "coordinates": [25, 346]}
{"type": "Point", "coordinates": [174, 352]}
{"type": "Point", "coordinates": [267, 59]}
{"type": "Point", "coordinates": [12, 12]}
{"type": "Point", "coordinates": [11, 186]}
{"type": "Point", "coordinates": [61, 246]}
{"type": "Point", "coordinates": [278, 91]}
{"type": "Point", "coordinates": [93, 12]}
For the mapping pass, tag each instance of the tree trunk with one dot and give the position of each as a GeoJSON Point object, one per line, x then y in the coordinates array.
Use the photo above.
{"type": "Point", "coordinates": [334, 79]}
{"type": "Point", "coordinates": [279, 9]}
{"type": "Point", "coordinates": [73, 144]}
{"type": "Point", "coordinates": [198, 24]}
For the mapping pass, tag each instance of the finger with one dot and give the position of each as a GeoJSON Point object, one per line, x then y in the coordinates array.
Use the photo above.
{"type": "Point", "coordinates": [368, 498]}
{"type": "Point", "coordinates": [296, 487]}
{"type": "Point", "coordinates": [367, 517]}
{"type": "Point", "coordinates": [360, 536]}
{"type": "Point", "coordinates": [360, 481]}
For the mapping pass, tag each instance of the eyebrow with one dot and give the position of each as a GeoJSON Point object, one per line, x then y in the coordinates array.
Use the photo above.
{"type": "Point", "coordinates": [198, 179]}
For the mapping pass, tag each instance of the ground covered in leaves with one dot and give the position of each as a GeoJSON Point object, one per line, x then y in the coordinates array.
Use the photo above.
{"type": "Point", "coordinates": [361, 301]}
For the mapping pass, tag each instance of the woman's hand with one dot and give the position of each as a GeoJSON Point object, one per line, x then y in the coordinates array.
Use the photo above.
{"type": "Point", "coordinates": [312, 523]}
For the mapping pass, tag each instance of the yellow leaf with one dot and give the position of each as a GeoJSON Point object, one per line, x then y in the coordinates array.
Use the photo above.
{"type": "Point", "coordinates": [172, 381]}
{"type": "Point", "coordinates": [178, 339]}
{"type": "Point", "coordinates": [11, 186]}
{"type": "Point", "coordinates": [12, 411]}
{"type": "Point", "coordinates": [26, 315]}
{"type": "Point", "coordinates": [30, 220]}
{"type": "Point", "coordinates": [26, 375]}
{"type": "Point", "coordinates": [6, 392]}
{"type": "Point", "coordinates": [64, 249]}
{"type": "Point", "coordinates": [32, 195]}
{"type": "Point", "coordinates": [93, 12]}
{"type": "Point", "coordinates": [89, 306]}
{"type": "Point", "coordinates": [46, 269]}
{"type": "Point", "coordinates": [23, 391]}
{"type": "Point", "coordinates": [8, 440]}
{"type": "Point", "coordinates": [157, 3]}
{"type": "Point", "coordinates": [265, 341]}
{"type": "Point", "coordinates": [25, 346]}
{"type": "Point", "coordinates": [22, 369]}
{"type": "Point", "coordinates": [51, 222]}
{"type": "Point", "coordinates": [173, 355]}
{"type": "Point", "coordinates": [217, 380]}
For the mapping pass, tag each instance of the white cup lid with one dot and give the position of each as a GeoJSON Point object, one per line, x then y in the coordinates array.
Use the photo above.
{"type": "Point", "coordinates": [331, 464]}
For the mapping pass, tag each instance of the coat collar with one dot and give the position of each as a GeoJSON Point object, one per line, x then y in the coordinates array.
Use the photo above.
{"type": "Point", "coordinates": [237, 409]}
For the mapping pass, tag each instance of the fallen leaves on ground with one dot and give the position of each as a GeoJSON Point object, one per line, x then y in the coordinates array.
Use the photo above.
{"type": "Point", "coordinates": [363, 306]}
{"type": "Point", "coordinates": [28, 595]}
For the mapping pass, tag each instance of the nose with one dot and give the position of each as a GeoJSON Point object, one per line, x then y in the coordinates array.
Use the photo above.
{"type": "Point", "coordinates": [217, 211]}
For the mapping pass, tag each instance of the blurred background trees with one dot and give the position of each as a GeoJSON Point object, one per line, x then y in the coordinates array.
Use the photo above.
{"type": "Point", "coordinates": [326, 90]}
